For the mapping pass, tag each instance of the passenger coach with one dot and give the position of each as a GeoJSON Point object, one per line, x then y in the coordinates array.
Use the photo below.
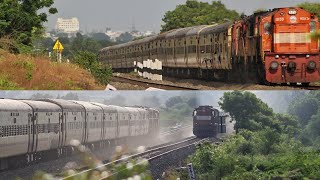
{"type": "Point", "coordinates": [34, 131]}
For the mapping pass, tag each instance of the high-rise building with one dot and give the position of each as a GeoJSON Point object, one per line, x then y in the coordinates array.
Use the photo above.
{"type": "Point", "coordinates": [68, 25]}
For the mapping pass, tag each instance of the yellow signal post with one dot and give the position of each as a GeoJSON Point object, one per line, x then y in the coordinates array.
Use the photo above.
{"type": "Point", "coordinates": [58, 48]}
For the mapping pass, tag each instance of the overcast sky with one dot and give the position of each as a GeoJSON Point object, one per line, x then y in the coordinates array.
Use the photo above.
{"type": "Point", "coordinates": [147, 14]}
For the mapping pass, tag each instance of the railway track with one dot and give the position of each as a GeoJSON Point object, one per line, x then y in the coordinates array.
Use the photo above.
{"type": "Point", "coordinates": [166, 86]}
{"type": "Point", "coordinates": [148, 84]}
{"type": "Point", "coordinates": [313, 88]}
{"type": "Point", "coordinates": [168, 132]}
{"type": "Point", "coordinates": [149, 155]}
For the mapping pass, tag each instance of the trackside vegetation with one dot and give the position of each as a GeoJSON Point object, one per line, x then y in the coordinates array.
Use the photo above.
{"type": "Point", "coordinates": [22, 36]}
{"type": "Point", "coordinates": [267, 145]}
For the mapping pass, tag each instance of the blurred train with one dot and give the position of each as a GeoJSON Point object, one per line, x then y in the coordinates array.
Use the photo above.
{"type": "Point", "coordinates": [34, 130]}
{"type": "Point", "coordinates": [271, 47]}
{"type": "Point", "coordinates": [208, 121]}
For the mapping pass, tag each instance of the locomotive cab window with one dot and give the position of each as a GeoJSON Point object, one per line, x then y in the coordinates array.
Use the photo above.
{"type": "Point", "coordinates": [312, 26]}
{"type": "Point", "coordinates": [267, 28]}
{"type": "Point", "coordinates": [194, 113]}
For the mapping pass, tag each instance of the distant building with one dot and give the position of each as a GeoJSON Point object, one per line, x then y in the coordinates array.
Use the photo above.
{"type": "Point", "coordinates": [69, 26]}
{"type": "Point", "coordinates": [149, 33]}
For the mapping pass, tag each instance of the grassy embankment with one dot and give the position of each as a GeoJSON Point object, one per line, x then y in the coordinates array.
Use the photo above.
{"type": "Point", "coordinates": [39, 73]}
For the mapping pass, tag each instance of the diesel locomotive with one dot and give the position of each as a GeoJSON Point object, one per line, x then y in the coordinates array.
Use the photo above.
{"type": "Point", "coordinates": [208, 121]}
{"type": "Point", "coordinates": [272, 47]}
{"type": "Point", "coordinates": [37, 130]}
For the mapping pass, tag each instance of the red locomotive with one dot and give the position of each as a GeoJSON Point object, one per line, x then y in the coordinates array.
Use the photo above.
{"type": "Point", "coordinates": [272, 47]}
{"type": "Point", "coordinates": [208, 121]}
{"type": "Point", "coordinates": [285, 50]}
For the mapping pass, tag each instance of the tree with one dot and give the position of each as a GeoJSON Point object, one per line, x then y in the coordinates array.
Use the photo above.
{"type": "Point", "coordinates": [70, 96]}
{"type": "Point", "coordinates": [89, 61]}
{"type": "Point", "coordinates": [23, 19]}
{"type": "Point", "coordinates": [197, 13]}
{"type": "Point", "coordinates": [193, 102]}
{"type": "Point", "coordinates": [173, 101]}
{"type": "Point", "coordinates": [311, 7]}
{"type": "Point", "coordinates": [117, 101]}
{"type": "Point", "coordinates": [243, 107]}
{"type": "Point", "coordinates": [100, 37]}
{"type": "Point", "coordinates": [41, 96]}
{"type": "Point", "coordinates": [83, 43]}
{"type": "Point", "coordinates": [125, 37]}
{"type": "Point", "coordinates": [151, 101]}
{"type": "Point", "coordinates": [304, 108]}
{"type": "Point", "coordinates": [260, 10]}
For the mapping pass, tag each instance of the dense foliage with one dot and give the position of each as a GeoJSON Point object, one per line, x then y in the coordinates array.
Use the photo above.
{"type": "Point", "coordinates": [266, 145]}
{"type": "Point", "coordinates": [22, 20]}
{"type": "Point", "coordinates": [197, 13]}
{"type": "Point", "coordinates": [311, 7]}
{"type": "Point", "coordinates": [178, 109]}
{"type": "Point", "coordinates": [89, 61]}
{"type": "Point", "coordinates": [307, 109]}
{"type": "Point", "coordinates": [314, 8]}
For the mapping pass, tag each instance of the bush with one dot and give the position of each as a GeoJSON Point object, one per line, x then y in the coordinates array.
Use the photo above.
{"type": "Point", "coordinates": [89, 61]}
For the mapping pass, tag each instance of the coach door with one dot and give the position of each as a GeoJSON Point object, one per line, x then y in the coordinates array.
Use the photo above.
{"type": "Point", "coordinates": [222, 124]}
{"type": "Point", "coordinates": [59, 130]}
{"type": "Point", "coordinates": [118, 124]}
{"type": "Point", "coordinates": [31, 139]}
{"type": "Point", "coordinates": [103, 127]}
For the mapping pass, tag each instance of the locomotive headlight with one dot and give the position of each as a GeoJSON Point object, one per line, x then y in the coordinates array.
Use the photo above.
{"type": "Point", "coordinates": [274, 65]}
{"type": "Point", "coordinates": [277, 56]}
{"type": "Point", "coordinates": [292, 66]}
{"type": "Point", "coordinates": [292, 12]}
{"type": "Point", "coordinates": [312, 65]}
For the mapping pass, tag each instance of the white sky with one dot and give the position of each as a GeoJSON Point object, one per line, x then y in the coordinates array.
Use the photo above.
{"type": "Point", "coordinates": [147, 14]}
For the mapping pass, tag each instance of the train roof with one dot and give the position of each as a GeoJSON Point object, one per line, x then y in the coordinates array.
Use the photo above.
{"type": "Point", "coordinates": [183, 32]}
{"type": "Point", "coordinates": [13, 105]}
{"type": "Point", "coordinates": [135, 109]}
{"type": "Point", "coordinates": [106, 108]}
{"type": "Point", "coordinates": [172, 33]}
{"type": "Point", "coordinates": [65, 104]}
{"type": "Point", "coordinates": [119, 109]}
{"type": "Point", "coordinates": [164, 34]}
{"type": "Point", "coordinates": [195, 30]}
{"type": "Point", "coordinates": [148, 39]}
{"type": "Point", "coordinates": [152, 109]}
{"type": "Point", "coordinates": [216, 28]}
{"type": "Point", "coordinates": [42, 106]}
{"type": "Point", "coordinates": [88, 106]}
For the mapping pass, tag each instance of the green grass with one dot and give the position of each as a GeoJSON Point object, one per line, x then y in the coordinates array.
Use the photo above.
{"type": "Point", "coordinates": [6, 84]}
